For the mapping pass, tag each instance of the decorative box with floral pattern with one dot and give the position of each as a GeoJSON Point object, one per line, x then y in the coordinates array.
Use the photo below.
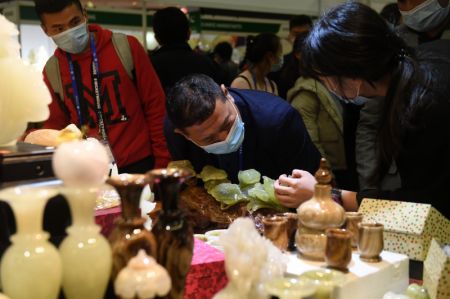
{"type": "Point", "coordinates": [408, 227]}
{"type": "Point", "coordinates": [436, 271]}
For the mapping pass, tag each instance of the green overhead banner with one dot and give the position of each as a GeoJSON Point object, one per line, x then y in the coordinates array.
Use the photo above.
{"type": "Point", "coordinates": [198, 23]}
{"type": "Point", "coordinates": [227, 26]}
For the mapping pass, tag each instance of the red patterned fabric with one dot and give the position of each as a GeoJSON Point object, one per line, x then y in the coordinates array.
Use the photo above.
{"type": "Point", "coordinates": [207, 274]}
{"type": "Point", "coordinates": [105, 218]}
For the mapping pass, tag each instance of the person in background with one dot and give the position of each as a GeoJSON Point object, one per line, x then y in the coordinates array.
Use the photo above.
{"type": "Point", "coordinates": [235, 129]}
{"type": "Point", "coordinates": [175, 58]}
{"type": "Point", "coordinates": [125, 113]}
{"type": "Point", "coordinates": [415, 130]}
{"type": "Point", "coordinates": [291, 70]}
{"type": "Point", "coordinates": [264, 55]}
{"type": "Point", "coordinates": [423, 20]}
{"type": "Point", "coordinates": [420, 22]}
{"type": "Point", "coordinates": [322, 115]}
{"type": "Point", "coordinates": [222, 56]}
{"type": "Point", "coordinates": [297, 25]}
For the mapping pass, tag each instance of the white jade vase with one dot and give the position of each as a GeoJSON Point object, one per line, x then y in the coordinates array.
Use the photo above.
{"type": "Point", "coordinates": [85, 253]}
{"type": "Point", "coordinates": [31, 266]}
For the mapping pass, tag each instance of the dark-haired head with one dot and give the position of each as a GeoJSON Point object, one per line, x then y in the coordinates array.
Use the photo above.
{"type": "Point", "coordinates": [59, 15]}
{"type": "Point", "coordinates": [171, 26]}
{"type": "Point", "coordinates": [352, 41]}
{"type": "Point", "coordinates": [54, 6]}
{"type": "Point", "coordinates": [261, 46]}
{"type": "Point", "coordinates": [354, 52]}
{"type": "Point", "coordinates": [224, 51]}
{"type": "Point", "coordinates": [299, 24]}
{"type": "Point", "coordinates": [299, 21]}
{"type": "Point", "coordinates": [192, 100]}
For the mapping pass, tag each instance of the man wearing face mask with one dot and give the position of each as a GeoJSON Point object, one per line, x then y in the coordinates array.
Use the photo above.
{"type": "Point", "coordinates": [423, 20]}
{"type": "Point", "coordinates": [122, 107]}
{"type": "Point", "coordinates": [235, 129]}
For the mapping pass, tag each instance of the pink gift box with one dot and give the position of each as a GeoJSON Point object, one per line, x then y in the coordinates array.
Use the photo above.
{"type": "Point", "coordinates": [207, 275]}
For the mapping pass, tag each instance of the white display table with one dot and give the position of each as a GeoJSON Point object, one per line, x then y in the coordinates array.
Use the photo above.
{"type": "Point", "coordinates": [364, 280]}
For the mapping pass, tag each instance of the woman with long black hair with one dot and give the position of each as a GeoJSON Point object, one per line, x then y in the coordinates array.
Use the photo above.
{"type": "Point", "coordinates": [354, 53]}
{"type": "Point", "coordinates": [264, 55]}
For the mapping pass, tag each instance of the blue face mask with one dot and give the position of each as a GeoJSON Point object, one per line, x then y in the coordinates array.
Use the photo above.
{"type": "Point", "coordinates": [358, 101]}
{"type": "Point", "coordinates": [233, 141]}
{"type": "Point", "coordinates": [74, 40]}
{"type": "Point", "coordinates": [426, 16]}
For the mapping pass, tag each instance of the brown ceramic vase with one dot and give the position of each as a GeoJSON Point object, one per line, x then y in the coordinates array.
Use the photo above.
{"type": "Point", "coordinates": [338, 252]}
{"type": "Point", "coordinates": [276, 230]}
{"type": "Point", "coordinates": [370, 243]}
{"type": "Point", "coordinates": [352, 219]}
{"type": "Point", "coordinates": [129, 234]}
{"type": "Point", "coordinates": [173, 233]}
{"type": "Point", "coordinates": [292, 223]}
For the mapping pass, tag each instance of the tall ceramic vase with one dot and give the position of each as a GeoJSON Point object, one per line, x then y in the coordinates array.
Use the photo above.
{"type": "Point", "coordinates": [31, 266]}
{"type": "Point", "coordinates": [85, 253]}
{"type": "Point", "coordinates": [129, 234]}
{"type": "Point", "coordinates": [173, 233]}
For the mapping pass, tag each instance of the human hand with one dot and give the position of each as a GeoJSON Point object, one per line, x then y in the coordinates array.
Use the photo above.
{"type": "Point", "coordinates": [293, 191]}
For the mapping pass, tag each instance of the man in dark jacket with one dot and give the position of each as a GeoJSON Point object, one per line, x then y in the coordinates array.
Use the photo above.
{"type": "Point", "coordinates": [175, 58]}
{"type": "Point", "coordinates": [236, 129]}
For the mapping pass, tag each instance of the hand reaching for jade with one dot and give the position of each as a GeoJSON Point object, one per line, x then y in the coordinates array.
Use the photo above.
{"type": "Point", "coordinates": [294, 190]}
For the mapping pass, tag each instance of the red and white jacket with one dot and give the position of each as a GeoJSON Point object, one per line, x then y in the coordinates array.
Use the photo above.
{"type": "Point", "coordinates": [142, 101]}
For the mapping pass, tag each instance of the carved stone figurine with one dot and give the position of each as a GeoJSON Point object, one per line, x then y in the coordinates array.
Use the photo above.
{"type": "Point", "coordinates": [173, 233]}
{"type": "Point", "coordinates": [142, 278]}
{"type": "Point", "coordinates": [23, 95]}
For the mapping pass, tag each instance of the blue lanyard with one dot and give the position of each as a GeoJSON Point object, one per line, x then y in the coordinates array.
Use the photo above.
{"type": "Point", "coordinates": [75, 89]}
{"type": "Point", "coordinates": [96, 80]}
{"type": "Point", "coordinates": [96, 85]}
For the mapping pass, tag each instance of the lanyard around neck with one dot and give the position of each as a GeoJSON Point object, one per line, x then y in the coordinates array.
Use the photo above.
{"type": "Point", "coordinates": [96, 84]}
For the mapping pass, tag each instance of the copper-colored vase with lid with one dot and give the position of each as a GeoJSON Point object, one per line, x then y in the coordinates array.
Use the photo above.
{"type": "Point", "coordinates": [129, 234]}
{"type": "Point", "coordinates": [316, 215]}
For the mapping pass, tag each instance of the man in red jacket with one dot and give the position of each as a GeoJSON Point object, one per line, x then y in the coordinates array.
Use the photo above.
{"type": "Point", "coordinates": [123, 109]}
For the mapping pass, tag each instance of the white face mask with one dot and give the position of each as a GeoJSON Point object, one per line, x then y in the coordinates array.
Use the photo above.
{"type": "Point", "coordinates": [74, 40]}
{"type": "Point", "coordinates": [426, 16]}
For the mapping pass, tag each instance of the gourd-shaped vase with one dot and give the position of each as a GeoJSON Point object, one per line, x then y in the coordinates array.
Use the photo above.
{"type": "Point", "coordinates": [31, 266]}
{"type": "Point", "coordinates": [129, 234]}
{"type": "Point", "coordinates": [316, 215]}
{"type": "Point", "coordinates": [85, 253]}
{"type": "Point", "coordinates": [173, 233]}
